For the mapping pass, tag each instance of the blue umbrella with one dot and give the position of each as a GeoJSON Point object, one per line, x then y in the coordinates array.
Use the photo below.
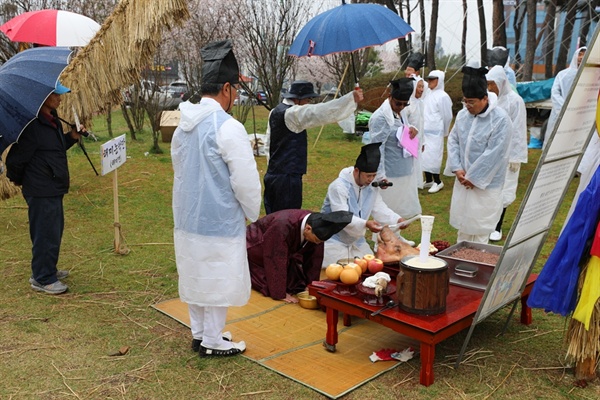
{"type": "Point", "coordinates": [26, 80]}
{"type": "Point", "coordinates": [348, 28]}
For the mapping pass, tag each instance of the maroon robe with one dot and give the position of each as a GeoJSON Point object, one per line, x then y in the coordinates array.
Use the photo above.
{"type": "Point", "coordinates": [279, 262]}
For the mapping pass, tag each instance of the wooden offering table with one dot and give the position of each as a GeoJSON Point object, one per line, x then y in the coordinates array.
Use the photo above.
{"type": "Point", "coordinates": [461, 307]}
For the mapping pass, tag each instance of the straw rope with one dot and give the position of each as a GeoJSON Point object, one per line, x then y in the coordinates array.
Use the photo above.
{"type": "Point", "coordinates": [114, 58]}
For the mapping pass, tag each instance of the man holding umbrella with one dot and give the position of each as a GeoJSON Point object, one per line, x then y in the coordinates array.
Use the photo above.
{"type": "Point", "coordinates": [38, 162]}
{"type": "Point", "coordinates": [287, 141]}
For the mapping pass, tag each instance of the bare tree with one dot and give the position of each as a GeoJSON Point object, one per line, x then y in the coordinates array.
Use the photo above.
{"type": "Point", "coordinates": [463, 43]}
{"type": "Point", "coordinates": [423, 25]}
{"type": "Point", "coordinates": [549, 41]}
{"type": "Point", "coordinates": [520, 13]}
{"type": "Point", "coordinates": [530, 43]}
{"type": "Point", "coordinates": [567, 34]}
{"type": "Point", "coordinates": [498, 24]}
{"type": "Point", "coordinates": [587, 10]}
{"type": "Point", "coordinates": [435, 6]}
{"type": "Point", "coordinates": [482, 32]}
{"type": "Point", "coordinates": [264, 32]}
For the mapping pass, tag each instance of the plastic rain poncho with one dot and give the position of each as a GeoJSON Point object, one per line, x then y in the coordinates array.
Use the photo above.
{"type": "Point", "coordinates": [415, 114]}
{"type": "Point", "coordinates": [514, 106]}
{"type": "Point", "coordinates": [438, 116]}
{"type": "Point", "coordinates": [397, 164]}
{"type": "Point", "coordinates": [560, 90]}
{"type": "Point", "coordinates": [216, 187]}
{"type": "Point", "coordinates": [478, 144]}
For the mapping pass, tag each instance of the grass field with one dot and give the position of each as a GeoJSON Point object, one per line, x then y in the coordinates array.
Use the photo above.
{"type": "Point", "coordinates": [56, 347]}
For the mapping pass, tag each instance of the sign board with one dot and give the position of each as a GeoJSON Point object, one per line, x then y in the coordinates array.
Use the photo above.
{"type": "Point", "coordinates": [113, 154]}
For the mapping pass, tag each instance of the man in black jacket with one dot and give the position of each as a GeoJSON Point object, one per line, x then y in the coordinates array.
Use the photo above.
{"type": "Point", "coordinates": [38, 162]}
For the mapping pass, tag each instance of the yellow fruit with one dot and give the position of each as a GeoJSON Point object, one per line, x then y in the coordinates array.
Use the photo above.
{"type": "Point", "coordinates": [349, 276]}
{"type": "Point", "coordinates": [362, 263]}
{"type": "Point", "coordinates": [333, 271]}
{"type": "Point", "coordinates": [354, 266]}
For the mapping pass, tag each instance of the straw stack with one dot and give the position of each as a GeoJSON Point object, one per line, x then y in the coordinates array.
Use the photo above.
{"type": "Point", "coordinates": [584, 345]}
{"type": "Point", "coordinates": [115, 56]}
{"type": "Point", "coordinates": [7, 189]}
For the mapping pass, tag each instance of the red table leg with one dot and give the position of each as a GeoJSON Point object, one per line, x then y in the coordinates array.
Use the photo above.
{"type": "Point", "coordinates": [526, 317]}
{"type": "Point", "coordinates": [332, 335]}
{"type": "Point", "coordinates": [427, 356]}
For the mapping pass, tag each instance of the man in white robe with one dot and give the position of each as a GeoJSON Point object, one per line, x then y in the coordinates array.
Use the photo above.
{"type": "Point", "coordinates": [560, 90]}
{"type": "Point", "coordinates": [478, 157]}
{"type": "Point", "coordinates": [514, 106]}
{"type": "Point", "coordinates": [216, 188]}
{"type": "Point", "coordinates": [352, 191]}
{"type": "Point", "coordinates": [397, 164]}
{"type": "Point", "coordinates": [438, 116]}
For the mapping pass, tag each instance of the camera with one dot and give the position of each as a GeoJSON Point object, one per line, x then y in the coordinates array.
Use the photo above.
{"type": "Point", "coordinates": [382, 184]}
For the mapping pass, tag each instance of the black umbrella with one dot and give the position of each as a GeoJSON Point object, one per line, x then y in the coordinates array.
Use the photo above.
{"type": "Point", "coordinates": [26, 80]}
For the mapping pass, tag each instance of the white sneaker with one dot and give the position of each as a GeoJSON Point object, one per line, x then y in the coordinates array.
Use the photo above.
{"type": "Point", "coordinates": [496, 236]}
{"type": "Point", "coordinates": [427, 185]}
{"type": "Point", "coordinates": [436, 187]}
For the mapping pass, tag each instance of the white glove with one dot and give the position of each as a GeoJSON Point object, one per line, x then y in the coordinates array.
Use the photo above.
{"type": "Point", "coordinates": [514, 167]}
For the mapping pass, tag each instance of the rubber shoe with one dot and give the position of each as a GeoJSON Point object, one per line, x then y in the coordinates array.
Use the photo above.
{"type": "Point", "coordinates": [60, 274]}
{"type": "Point", "coordinates": [237, 348]}
{"type": "Point", "coordinates": [436, 187]}
{"type": "Point", "coordinates": [496, 236]}
{"type": "Point", "coordinates": [427, 185]}
{"type": "Point", "coordinates": [227, 336]}
{"type": "Point", "coordinates": [54, 288]}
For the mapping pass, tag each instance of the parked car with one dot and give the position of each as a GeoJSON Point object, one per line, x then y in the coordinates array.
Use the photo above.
{"type": "Point", "coordinates": [261, 95]}
{"type": "Point", "coordinates": [149, 91]}
{"type": "Point", "coordinates": [177, 88]}
{"type": "Point", "coordinates": [241, 98]}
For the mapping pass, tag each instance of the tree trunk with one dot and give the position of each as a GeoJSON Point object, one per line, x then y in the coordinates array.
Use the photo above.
{"type": "Point", "coordinates": [530, 42]}
{"type": "Point", "coordinates": [463, 43]}
{"type": "Point", "coordinates": [567, 34]}
{"type": "Point", "coordinates": [403, 43]}
{"type": "Point", "coordinates": [482, 32]}
{"type": "Point", "coordinates": [423, 26]}
{"type": "Point", "coordinates": [520, 13]}
{"type": "Point", "coordinates": [109, 120]}
{"type": "Point", "coordinates": [586, 21]}
{"type": "Point", "coordinates": [498, 24]}
{"type": "Point", "coordinates": [127, 119]}
{"type": "Point", "coordinates": [435, 5]}
{"type": "Point", "coordinates": [549, 41]}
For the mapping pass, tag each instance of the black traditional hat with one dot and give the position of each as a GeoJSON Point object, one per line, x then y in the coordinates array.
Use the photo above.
{"type": "Point", "coordinates": [301, 90]}
{"type": "Point", "coordinates": [219, 63]}
{"type": "Point", "coordinates": [369, 157]}
{"type": "Point", "coordinates": [402, 88]}
{"type": "Point", "coordinates": [325, 226]}
{"type": "Point", "coordinates": [416, 61]}
{"type": "Point", "coordinates": [474, 84]}
{"type": "Point", "coordinates": [497, 56]}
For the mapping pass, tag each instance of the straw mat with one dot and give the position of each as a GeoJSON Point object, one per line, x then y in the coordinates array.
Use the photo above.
{"type": "Point", "coordinates": [289, 340]}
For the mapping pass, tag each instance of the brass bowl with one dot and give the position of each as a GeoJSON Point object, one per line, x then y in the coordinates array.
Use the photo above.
{"type": "Point", "coordinates": [307, 301]}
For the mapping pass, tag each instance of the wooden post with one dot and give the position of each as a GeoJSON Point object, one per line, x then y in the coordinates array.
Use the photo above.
{"type": "Point", "coordinates": [586, 369]}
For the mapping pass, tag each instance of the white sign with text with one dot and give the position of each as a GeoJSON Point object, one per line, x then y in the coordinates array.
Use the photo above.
{"type": "Point", "coordinates": [113, 154]}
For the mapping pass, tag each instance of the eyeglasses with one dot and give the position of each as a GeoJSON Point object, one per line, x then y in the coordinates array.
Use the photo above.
{"type": "Point", "coordinates": [468, 103]}
{"type": "Point", "coordinates": [398, 103]}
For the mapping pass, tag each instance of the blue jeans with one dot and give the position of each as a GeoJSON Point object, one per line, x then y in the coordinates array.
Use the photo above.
{"type": "Point", "coordinates": [46, 225]}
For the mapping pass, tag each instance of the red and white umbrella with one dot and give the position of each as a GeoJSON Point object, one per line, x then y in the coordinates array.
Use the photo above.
{"type": "Point", "coordinates": [51, 28]}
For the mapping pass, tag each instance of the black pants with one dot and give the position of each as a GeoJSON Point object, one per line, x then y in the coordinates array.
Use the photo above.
{"type": "Point", "coordinates": [431, 177]}
{"type": "Point", "coordinates": [283, 192]}
{"type": "Point", "coordinates": [46, 225]}
{"type": "Point", "coordinates": [499, 225]}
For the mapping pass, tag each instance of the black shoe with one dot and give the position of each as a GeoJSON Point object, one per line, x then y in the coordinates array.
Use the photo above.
{"type": "Point", "coordinates": [238, 348]}
{"type": "Point", "coordinates": [196, 343]}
